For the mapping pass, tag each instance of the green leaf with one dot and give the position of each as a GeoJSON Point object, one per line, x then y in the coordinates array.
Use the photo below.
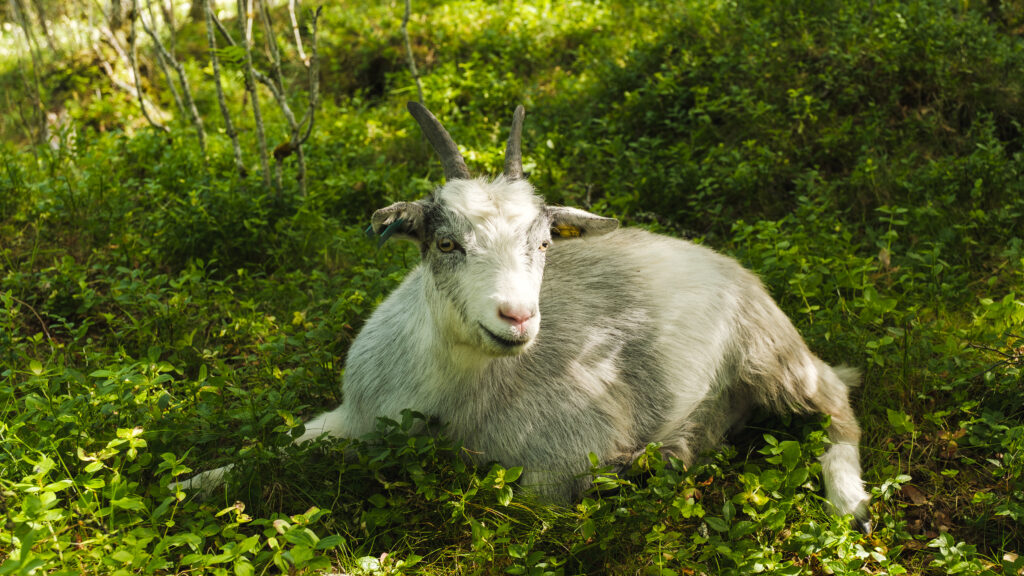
{"type": "Point", "coordinates": [717, 524]}
{"type": "Point", "coordinates": [790, 453]}
{"type": "Point", "coordinates": [58, 485]}
{"type": "Point", "coordinates": [122, 555]}
{"type": "Point", "coordinates": [302, 536]}
{"type": "Point", "coordinates": [901, 422]}
{"type": "Point", "coordinates": [505, 495]}
{"type": "Point", "coordinates": [410, 561]}
{"type": "Point", "coordinates": [129, 503]}
{"type": "Point", "coordinates": [299, 555]}
{"type": "Point", "coordinates": [512, 474]}
{"type": "Point", "coordinates": [588, 528]}
{"type": "Point", "coordinates": [330, 542]}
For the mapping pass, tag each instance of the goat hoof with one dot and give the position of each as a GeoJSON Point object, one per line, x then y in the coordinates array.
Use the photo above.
{"type": "Point", "coordinates": [862, 518]}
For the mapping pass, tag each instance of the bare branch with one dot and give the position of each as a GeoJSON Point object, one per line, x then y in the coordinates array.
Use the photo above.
{"type": "Point", "coordinates": [43, 132]}
{"type": "Point", "coordinates": [132, 59]}
{"type": "Point", "coordinates": [165, 68]}
{"type": "Point", "coordinates": [314, 80]}
{"type": "Point", "coordinates": [229, 126]}
{"type": "Point", "coordinates": [295, 31]}
{"type": "Point", "coordinates": [276, 86]}
{"type": "Point", "coordinates": [275, 83]}
{"type": "Point", "coordinates": [223, 31]}
{"type": "Point", "coordinates": [250, 15]}
{"type": "Point", "coordinates": [42, 323]}
{"type": "Point", "coordinates": [197, 121]}
{"type": "Point", "coordinates": [244, 28]}
{"type": "Point", "coordinates": [51, 43]}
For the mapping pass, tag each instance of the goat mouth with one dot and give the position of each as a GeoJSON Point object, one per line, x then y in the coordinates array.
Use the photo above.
{"type": "Point", "coordinates": [503, 342]}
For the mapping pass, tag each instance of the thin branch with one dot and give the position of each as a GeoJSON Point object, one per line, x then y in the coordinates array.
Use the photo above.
{"type": "Point", "coordinates": [314, 80]}
{"type": "Point", "coordinates": [53, 344]}
{"type": "Point", "coordinates": [168, 13]}
{"type": "Point", "coordinates": [166, 69]}
{"type": "Point", "coordinates": [229, 126]}
{"type": "Point", "coordinates": [295, 31]}
{"type": "Point", "coordinates": [223, 31]}
{"type": "Point", "coordinates": [132, 58]}
{"type": "Point", "coordinates": [197, 122]}
{"type": "Point", "coordinates": [26, 124]}
{"type": "Point", "coordinates": [167, 10]}
{"type": "Point", "coordinates": [250, 15]}
{"type": "Point", "coordinates": [121, 84]}
{"type": "Point", "coordinates": [270, 42]}
{"type": "Point", "coordinates": [109, 70]}
{"type": "Point", "coordinates": [51, 43]}
{"type": "Point", "coordinates": [313, 69]}
{"type": "Point", "coordinates": [408, 50]}
{"type": "Point", "coordinates": [276, 86]}
{"type": "Point", "coordinates": [43, 133]}
{"type": "Point", "coordinates": [244, 28]}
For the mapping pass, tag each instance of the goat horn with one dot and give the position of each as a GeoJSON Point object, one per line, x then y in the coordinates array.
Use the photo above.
{"type": "Point", "coordinates": [513, 151]}
{"type": "Point", "coordinates": [441, 142]}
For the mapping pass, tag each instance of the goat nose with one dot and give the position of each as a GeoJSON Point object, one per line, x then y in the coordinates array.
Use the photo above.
{"type": "Point", "coordinates": [514, 315]}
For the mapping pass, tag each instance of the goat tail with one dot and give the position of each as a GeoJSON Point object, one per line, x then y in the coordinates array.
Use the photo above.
{"type": "Point", "coordinates": [848, 374]}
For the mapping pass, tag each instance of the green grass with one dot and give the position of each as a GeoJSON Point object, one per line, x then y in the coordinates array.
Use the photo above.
{"type": "Point", "coordinates": [159, 317]}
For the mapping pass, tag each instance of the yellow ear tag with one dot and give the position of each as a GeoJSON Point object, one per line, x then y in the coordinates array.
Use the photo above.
{"type": "Point", "coordinates": [567, 231]}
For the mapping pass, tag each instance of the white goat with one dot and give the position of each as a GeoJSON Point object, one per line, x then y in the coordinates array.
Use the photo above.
{"type": "Point", "coordinates": [645, 339]}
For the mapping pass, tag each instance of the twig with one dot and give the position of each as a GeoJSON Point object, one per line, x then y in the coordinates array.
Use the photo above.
{"type": "Point", "coordinates": [224, 31]}
{"type": "Point", "coordinates": [313, 66]}
{"type": "Point", "coordinates": [245, 29]}
{"type": "Point", "coordinates": [165, 68]}
{"type": "Point", "coordinates": [275, 84]}
{"type": "Point", "coordinates": [43, 133]}
{"type": "Point", "coordinates": [115, 44]}
{"type": "Point", "coordinates": [132, 59]}
{"type": "Point", "coordinates": [46, 331]}
{"type": "Point", "coordinates": [250, 15]}
{"type": "Point", "coordinates": [51, 43]}
{"type": "Point", "coordinates": [296, 142]}
{"type": "Point", "coordinates": [313, 69]}
{"type": "Point", "coordinates": [408, 50]}
{"type": "Point", "coordinates": [295, 31]}
{"type": "Point", "coordinates": [167, 10]}
{"type": "Point", "coordinates": [197, 122]}
{"type": "Point", "coordinates": [229, 126]}
{"type": "Point", "coordinates": [168, 13]}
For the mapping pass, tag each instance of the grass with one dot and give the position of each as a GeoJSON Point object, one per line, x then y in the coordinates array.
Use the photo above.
{"type": "Point", "coordinates": [160, 314]}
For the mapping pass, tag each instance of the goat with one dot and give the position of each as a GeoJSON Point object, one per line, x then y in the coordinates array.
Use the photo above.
{"type": "Point", "coordinates": [646, 339]}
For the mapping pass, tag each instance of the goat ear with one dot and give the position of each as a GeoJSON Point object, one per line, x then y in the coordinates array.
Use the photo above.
{"type": "Point", "coordinates": [572, 223]}
{"type": "Point", "coordinates": [402, 219]}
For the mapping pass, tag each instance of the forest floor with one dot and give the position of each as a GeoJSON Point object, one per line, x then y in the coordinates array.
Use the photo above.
{"type": "Point", "coordinates": [165, 309]}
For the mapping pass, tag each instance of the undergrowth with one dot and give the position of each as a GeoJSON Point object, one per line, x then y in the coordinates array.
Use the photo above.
{"type": "Point", "coordinates": [160, 314]}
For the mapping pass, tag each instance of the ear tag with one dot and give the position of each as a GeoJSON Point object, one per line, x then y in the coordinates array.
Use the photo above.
{"type": "Point", "coordinates": [567, 231]}
{"type": "Point", "coordinates": [387, 232]}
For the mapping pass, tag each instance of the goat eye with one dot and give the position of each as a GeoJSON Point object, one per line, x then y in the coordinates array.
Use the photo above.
{"type": "Point", "coordinates": [445, 245]}
{"type": "Point", "coordinates": [544, 245]}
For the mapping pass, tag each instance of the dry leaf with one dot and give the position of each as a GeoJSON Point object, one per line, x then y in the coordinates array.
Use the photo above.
{"type": "Point", "coordinates": [914, 495]}
{"type": "Point", "coordinates": [942, 521]}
